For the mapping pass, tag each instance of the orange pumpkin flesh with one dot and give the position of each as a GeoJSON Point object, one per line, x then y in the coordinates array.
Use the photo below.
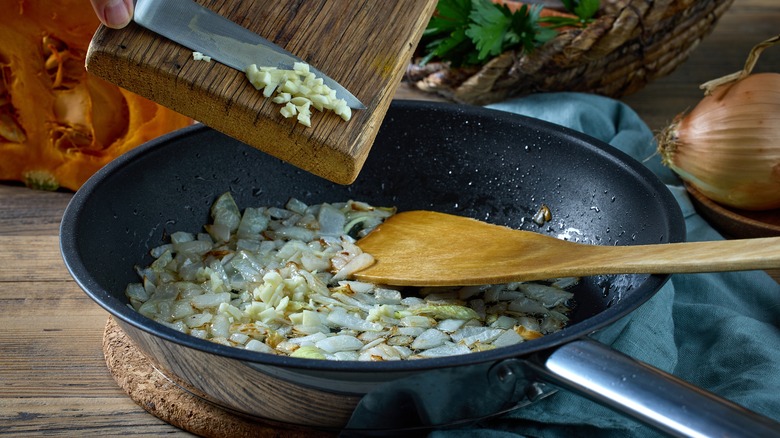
{"type": "Point", "coordinates": [58, 123]}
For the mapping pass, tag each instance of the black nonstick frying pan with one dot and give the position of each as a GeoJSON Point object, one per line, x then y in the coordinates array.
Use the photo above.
{"type": "Point", "coordinates": [490, 165]}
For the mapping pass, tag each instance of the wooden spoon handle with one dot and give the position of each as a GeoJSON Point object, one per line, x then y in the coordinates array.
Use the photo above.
{"type": "Point", "coordinates": [710, 256]}
{"type": "Point", "coordinates": [584, 260]}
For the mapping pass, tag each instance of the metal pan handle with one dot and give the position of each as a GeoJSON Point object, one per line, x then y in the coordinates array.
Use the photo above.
{"type": "Point", "coordinates": [648, 394]}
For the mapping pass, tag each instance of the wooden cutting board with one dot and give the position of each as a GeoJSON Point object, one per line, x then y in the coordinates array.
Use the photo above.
{"type": "Point", "coordinates": [365, 45]}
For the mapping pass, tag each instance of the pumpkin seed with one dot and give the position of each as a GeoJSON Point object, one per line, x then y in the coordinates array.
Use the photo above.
{"type": "Point", "coordinates": [10, 129]}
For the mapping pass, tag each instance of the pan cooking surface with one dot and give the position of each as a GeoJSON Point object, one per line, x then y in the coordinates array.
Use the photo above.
{"type": "Point", "coordinates": [490, 165]}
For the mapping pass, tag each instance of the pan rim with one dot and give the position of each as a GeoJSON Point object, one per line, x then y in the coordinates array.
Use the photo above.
{"type": "Point", "coordinates": [88, 283]}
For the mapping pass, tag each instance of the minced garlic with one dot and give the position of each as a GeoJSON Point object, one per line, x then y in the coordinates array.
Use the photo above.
{"type": "Point", "coordinates": [298, 90]}
{"type": "Point", "coordinates": [201, 57]}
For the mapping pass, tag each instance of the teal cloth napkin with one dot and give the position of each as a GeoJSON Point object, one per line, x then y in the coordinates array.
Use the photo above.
{"type": "Point", "coordinates": [720, 332]}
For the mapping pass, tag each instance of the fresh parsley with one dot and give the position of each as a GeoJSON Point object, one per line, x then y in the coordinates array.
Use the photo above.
{"type": "Point", "coordinates": [585, 10]}
{"type": "Point", "coordinates": [445, 37]}
{"type": "Point", "coordinates": [471, 32]}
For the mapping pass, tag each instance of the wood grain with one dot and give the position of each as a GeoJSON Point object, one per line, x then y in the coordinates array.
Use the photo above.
{"type": "Point", "coordinates": [365, 45]}
{"type": "Point", "coordinates": [30, 212]}
{"type": "Point", "coordinates": [53, 374]}
{"type": "Point", "coordinates": [31, 258]}
{"type": "Point", "coordinates": [53, 377]}
{"type": "Point", "coordinates": [427, 248]}
{"type": "Point", "coordinates": [163, 398]}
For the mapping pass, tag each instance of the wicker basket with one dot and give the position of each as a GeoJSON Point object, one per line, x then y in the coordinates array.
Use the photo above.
{"type": "Point", "coordinates": [631, 43]}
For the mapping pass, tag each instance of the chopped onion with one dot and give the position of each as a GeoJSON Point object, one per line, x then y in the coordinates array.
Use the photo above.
{"type": "Point", "coordinates": [275, 280]}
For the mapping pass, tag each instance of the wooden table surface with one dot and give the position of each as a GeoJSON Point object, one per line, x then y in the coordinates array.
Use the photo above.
{"type": "Point", "coordinates": [53, 377]}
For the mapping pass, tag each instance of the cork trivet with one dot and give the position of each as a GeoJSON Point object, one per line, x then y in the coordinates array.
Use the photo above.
{"type": "Point", "coordinates": [159, 396]}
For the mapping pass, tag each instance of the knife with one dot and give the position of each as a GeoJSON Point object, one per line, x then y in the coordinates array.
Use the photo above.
{"type": "Point", "coordinates": [202, 30]}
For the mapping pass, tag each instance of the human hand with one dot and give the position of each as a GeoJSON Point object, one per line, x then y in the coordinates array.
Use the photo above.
{"type": "Point", "coordinates": [114, 13]}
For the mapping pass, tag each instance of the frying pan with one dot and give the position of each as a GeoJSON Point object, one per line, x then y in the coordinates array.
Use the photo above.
{"type": "Point", "coordinates": [489, 165]}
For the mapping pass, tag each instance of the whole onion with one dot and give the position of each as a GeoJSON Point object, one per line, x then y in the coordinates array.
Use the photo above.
{"type": "Point", "coordinates": [728, 146]}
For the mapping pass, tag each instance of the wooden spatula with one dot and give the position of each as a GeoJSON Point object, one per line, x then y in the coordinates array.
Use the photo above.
{"type": "Point", "coordinates": [424, 248]}
{"type": "Point", "coordinates": [365, 45]}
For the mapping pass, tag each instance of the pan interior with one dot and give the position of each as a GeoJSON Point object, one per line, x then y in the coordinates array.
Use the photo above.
{"type": "Point", "coordinates": [490, 165]}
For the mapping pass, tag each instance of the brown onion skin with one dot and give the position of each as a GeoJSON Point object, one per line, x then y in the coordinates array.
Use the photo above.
{"type": "Point", "coordinates": [728, 146]}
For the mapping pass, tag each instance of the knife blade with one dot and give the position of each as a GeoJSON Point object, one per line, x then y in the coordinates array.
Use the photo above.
{"type": "Point", "coordinates": [202, 30]}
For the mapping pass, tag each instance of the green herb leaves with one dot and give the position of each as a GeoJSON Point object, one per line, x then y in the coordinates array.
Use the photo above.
{"type": "Point", "coordinates": [445, 37]}
{"type": "Point", "coordinates": [585, 10]}
{"type": "Point", "coordinates": [494, 28]}
{"type": "Point", "coordinates": [470, 32]}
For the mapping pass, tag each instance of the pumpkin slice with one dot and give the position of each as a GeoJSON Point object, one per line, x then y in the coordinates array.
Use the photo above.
{"type": "Point", "coordinates": [58, 123]}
